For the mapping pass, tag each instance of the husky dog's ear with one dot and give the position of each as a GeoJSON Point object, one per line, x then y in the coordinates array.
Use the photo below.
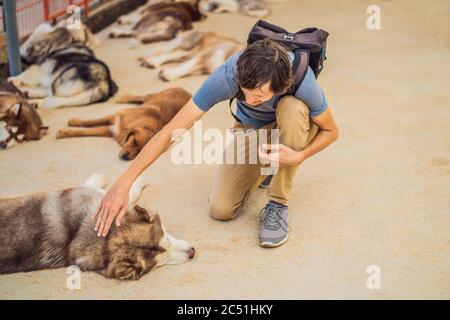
{"type": "Point", "coordinates": [16, 108]}
{"type": "Point", "coordinates": [143, 214]}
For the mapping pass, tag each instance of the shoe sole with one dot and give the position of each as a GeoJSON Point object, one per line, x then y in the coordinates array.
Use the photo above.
{"type": "Point", "coordinates": [265, 244]}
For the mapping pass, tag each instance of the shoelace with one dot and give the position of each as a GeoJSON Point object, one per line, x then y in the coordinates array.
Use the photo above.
{"type": "Point", "coordinates": [271, 217]}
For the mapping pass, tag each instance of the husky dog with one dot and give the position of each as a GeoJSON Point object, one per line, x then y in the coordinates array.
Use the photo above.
{"type": "Point", "coordinates": [70, 76]}
{"type": "Point", "coordinates": [252, 8]}
{"type": "Point", "coordinates": [159, 21]}
{"type": "Point", "coordinates": [56, 229]}
{"type": "Point", "coordinates": [19, 120]}
{"type": "Point", "coordinates": [47, 38]}
{"type": "Point", "coordinates": [199, 52]}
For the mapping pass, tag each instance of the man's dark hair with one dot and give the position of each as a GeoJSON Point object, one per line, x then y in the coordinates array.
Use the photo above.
{"type": "Point", "coordinates": [263, 61]}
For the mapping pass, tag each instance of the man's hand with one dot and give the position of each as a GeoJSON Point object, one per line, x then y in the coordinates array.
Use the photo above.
{"type": "Point", "coordinates": [115, 203]}
{"type": "Point", "coordinates": [280, 155]}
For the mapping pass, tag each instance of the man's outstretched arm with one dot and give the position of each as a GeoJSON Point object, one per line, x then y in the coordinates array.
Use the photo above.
{"type": "Point", "coordinates": [115, 202]}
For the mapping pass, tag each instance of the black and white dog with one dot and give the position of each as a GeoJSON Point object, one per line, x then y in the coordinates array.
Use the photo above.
{"type": "Point", "coordinates": [70, 76]}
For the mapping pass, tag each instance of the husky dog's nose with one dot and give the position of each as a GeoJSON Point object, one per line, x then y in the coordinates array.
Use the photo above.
{"type": "Point", "coordinates": [125, 156]}
{"type": "Point", "coordinates": [191, 253]}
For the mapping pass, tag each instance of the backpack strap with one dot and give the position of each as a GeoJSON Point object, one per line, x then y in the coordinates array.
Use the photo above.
{"type": "Point", "coordinates": [299, 69]}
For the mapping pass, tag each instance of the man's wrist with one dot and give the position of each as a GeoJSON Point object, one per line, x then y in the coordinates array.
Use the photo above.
{"type": "Point", "coordinates": [125, 180]}
{"type": "Point", "coordinates": [301, 156]}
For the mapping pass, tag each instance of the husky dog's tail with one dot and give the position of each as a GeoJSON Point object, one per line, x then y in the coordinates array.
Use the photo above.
{"type": "Point", "coordinates": [97, 181]}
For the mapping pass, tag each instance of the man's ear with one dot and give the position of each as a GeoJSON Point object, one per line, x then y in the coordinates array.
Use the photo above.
{"type": "Point", "coordinates": [16, 108]}
{"type": "Point", "coordinates": [143, 214]}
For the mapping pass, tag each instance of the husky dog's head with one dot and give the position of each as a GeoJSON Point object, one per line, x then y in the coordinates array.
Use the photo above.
{"type": "Point", "coordinates": [219, 6]}
{"type": "Point", "coordinates": [147, 245]}
{"type": "Point", "coordinates": [47, 38]}
{"type": "Point", "coordinates": [253, 8]}
{"type": "Point", "coordinates": [18, 117]}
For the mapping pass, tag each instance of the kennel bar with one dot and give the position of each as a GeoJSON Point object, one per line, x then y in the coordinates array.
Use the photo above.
{"type": "Point", "coordinates": [10, 18]}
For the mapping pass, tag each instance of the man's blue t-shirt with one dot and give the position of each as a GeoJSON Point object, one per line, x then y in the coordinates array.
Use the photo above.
{"type": "Point", "coordinates": [221, 85]}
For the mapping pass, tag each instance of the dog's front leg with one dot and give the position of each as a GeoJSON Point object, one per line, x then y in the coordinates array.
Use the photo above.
{"type": "Point", "coordinates": [84, 132]}
{"type": "Point", "coordinates": [157, 61]}
{"type": "Point", "coordinates": [190, 67]}
{"type": "Point", "coordinates": [121, 33]}
{"type": "Point", "coordinates": [35, 92]}
{"type": "Point", "coordinates": [29, 78]}
{"type": "Point", "coordinates": [183, 41]}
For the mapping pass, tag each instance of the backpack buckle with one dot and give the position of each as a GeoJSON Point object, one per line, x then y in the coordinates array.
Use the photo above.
{"type": "Point", "coordinates": [289, 36]}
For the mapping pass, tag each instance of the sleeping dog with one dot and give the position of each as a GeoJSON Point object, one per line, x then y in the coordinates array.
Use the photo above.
{"type": "Point", "coordinates": [197, 52]}
{"type": "Point", "coordinates": [19, 120]}
{"type": "Point", "coordinates": [159, 21]}
{"type": "Point", "coordinates": [56, 229]}
{"type": "Point", "coordinates": [134, 127]}
{"type": "Point", "coordinates": [70, 76]}
{"type": "Point", "coordinates": [252, 8]}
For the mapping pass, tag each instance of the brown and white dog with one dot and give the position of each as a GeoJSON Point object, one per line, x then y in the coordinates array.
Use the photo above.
{"type": "Point", "coordinates": [47, 38]}
{"type": "Point", "coordinates": [159, 21]}
{"type": "Point", "coordinates": [132, 128]}
{"type": "Point", "coordinates": [199, 52]}
{"type": "Point", "coordinates": [19, 119]}
{"type": "Point", "coordinates": [56, 229]}
{"type": "Point", "coordinates": [252, 8]}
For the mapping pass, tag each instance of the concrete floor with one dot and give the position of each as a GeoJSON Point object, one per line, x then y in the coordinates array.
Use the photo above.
{"type": "Point", "coordinates": [378, 196]}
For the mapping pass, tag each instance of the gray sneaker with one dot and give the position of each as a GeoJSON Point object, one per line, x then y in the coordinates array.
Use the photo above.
{"type": "Point", "coordinates": [273, 227]}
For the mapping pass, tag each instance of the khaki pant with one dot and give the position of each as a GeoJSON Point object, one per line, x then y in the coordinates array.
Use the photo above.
{"type": "Point", "coordinates": [233, 183]}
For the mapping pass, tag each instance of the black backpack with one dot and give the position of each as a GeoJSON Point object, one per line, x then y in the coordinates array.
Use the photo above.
{"type": "Point", "coordinates": [308, 46]}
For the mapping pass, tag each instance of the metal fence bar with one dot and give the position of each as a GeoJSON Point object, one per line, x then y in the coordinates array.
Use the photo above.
{"type": "Point", "coordinates": [12, 44]}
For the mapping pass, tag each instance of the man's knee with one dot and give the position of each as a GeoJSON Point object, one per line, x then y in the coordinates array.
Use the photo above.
{"type": "Point", "coordinates": [221, 210]}
{"type": "Point", "coordinates": [292, 110]}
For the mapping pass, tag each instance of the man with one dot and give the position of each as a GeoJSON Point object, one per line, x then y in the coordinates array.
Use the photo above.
{"type": "Point", "coordinates": [258, 76]}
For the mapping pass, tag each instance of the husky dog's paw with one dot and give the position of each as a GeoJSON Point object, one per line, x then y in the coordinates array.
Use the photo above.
{"type": "Point", "coordinates": [97, 181]}
{"type": "Point", "coordinates": [164, 75]}
{"type": "Point", "coordinates": [146, 63]}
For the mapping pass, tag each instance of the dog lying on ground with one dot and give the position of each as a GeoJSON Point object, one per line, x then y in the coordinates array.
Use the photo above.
{"type": "Point", "coordinates": [70, 76]}
{"type": "Point", "coordinates": [19, 120]}
{"type": "Point", "coordinates": [252, 8]}
{"type": "Point", "coordinates": [199, 52]}
{"type": "Point", "coordinates": [159, 22]}
{"type": "Point", "coordinates": [132, 128]}
{"type": "Point", "coordinates": [56, 229]}
{"type": "Point", "coordinates": [47, 38]}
